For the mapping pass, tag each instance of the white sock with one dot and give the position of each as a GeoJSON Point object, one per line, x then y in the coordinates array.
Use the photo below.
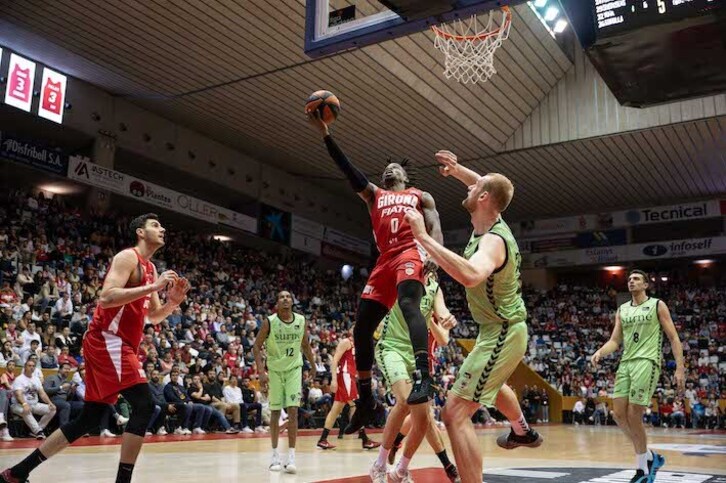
{"type": "Point", "coordinates": [650, 454]}
{"type": "Point", "coordinates": [382, 457]}
{"type": "Point", "coordinates": [520, 426]}
{"type": "Point", "coordinates": [291, 453]}
{"type": "Point", "coordinates": [274, 452]}
{"type": "Point", "coordinates": [641, 462]}
{"type": "Point", "coordinates": [403, 464]}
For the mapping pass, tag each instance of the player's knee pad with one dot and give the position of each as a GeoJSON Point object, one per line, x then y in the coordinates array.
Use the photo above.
{"type": "Point", "coordinates": [142, 408]}
{"type": "Point", "coordinates": [90, 418]}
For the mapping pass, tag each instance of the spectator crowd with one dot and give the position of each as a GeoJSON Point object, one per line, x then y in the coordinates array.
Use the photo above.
{"type": "Point", "coordinates": [199, 361]}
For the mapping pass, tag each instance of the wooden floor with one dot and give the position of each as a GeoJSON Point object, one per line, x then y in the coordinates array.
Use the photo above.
{"type": "Point", "coordinates": [570, 454]}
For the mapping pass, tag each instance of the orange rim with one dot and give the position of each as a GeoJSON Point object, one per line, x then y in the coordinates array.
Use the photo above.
{"type": "Point", "coordinates": [481, 36]}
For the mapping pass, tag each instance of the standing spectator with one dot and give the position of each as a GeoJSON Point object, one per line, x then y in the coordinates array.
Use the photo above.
{"type": "Point", "coordinates": [28, 392]}
{"type": "Point", "coordinates": [61, 392]}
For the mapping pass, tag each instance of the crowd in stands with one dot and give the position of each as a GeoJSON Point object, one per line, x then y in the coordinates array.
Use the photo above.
{"type": "Point", "coordinates": [199, 362]}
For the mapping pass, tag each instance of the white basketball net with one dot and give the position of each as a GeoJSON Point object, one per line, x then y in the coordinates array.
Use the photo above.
{"type": "Point", "coordinates": [469, 46]}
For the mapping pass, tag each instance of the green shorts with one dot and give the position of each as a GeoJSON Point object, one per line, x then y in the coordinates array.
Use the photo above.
{"type": "Point", "coordinates": [285, 388]}
{"type": "Point", "coordinates": [636, 380]}
{"type": "Point", "coordinates": [498, 350]}
{"type": "Point", "coordinates": [395, 365]}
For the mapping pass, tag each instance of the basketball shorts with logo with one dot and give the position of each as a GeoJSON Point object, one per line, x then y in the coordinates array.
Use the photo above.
{"type": "Point", "coordinates": [347, 388]}
{"type": "Point", "coordinates": [392, 269]}
{"type": "Point", "coordinates": [285, 388]}
{"type": "Point", "coordinates": [395, 364]}
{"type": "Point", "coordinates": [498, 350]}
{"type": "Point", "coordinates": [111, 366]}
{"type": "Point", "coordinates": [636, 380]}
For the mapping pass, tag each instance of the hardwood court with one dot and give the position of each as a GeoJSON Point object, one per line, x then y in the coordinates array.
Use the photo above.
{"type": "Point", "coordinates": [569, 455]}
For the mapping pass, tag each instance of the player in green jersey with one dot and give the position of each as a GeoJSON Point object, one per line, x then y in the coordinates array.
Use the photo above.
{"type": "Point", "coordinates": [489, 270]}
{"type": "Point", "coordinates": [284, 336]}
{"type": "Point", "coordinates": [639, 326]}
{"type": "Point", "coordinates": [395, 358]}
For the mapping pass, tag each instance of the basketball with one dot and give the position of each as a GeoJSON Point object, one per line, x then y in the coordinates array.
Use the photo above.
{"type": "Point", "coordinates": [326, 102]}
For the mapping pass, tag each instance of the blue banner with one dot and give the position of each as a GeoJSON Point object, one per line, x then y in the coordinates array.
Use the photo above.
{"type": "Point", "coordinates": [33, 154]}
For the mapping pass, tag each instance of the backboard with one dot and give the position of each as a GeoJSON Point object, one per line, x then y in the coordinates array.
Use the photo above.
{"type": "Point", "coordinates": [336, 25]}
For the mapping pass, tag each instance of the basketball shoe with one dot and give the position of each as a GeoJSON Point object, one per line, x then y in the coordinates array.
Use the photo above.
{"type": "Point", "coordinates": [378, 474]}
{"type": "Point", "coordinates": [423, 389]}
{"type": "Point", "coordinates": [640, 477]}
{"type": "Point", "coordinates": [365, 408]}
{"type": "Point", "coordinates": [290, 465]}
{"type": "Point", "coordinates": [397, 476]}
{"type": "Point", "coordinates": [275, 463]}
{"type": "Point", "coordinates": [512, 440]}
{"type": "Point", "coordinates": [655, 464]}
{"type": "Point", "coordinates": [452, 473]}
{"type": "Point", "coordinates": [7, 477]}
{"type": "Point", "coordinates": [323, 444]}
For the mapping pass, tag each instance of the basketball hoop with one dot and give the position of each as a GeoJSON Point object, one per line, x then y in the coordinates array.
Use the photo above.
{"type": "Point", "coordinates": [469, 46]}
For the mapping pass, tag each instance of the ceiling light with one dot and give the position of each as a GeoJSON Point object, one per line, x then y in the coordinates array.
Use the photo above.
{"type": "Point", "coordinates": [704, 262]}
{"type": "Point", "coordinates": [560, 26]}
{"type": "Point", "coordinates": [59, 188]}
{"type": "Point", "coordinates": [551, 14]}
{"type": "Point", "coordinates": [664, 279]}
{"type": "Point", "coordinates": [614, 268]}
{"type": "Point", "coordinates": [222, 238]}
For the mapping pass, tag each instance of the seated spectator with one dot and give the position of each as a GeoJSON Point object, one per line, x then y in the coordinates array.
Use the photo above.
{"type": "Point", "coordinates": [32, 350]}
{"type": "Point", "coordinates": [7, 354]}
{"type": "Point", "coordinates": [64, 339]}
{"type": "Point", "coordinates": [65, 357]}
{"type": "Point", "coordinates": [28, 391]}
{"type": "Point", "coordinates": [162, 408]}
{"type": "Point", "coordinates": [600, 416]}
{"type": "Point", "coordinates": [62, 392]}
{"type": "Point", "coordinates": [665, 410]}
{"type": "Point", "coordinates": [48, 360]}
{"type": "Point", "coordinates": [246, 399]}
{"type": "Point", "coordinates": [175, 393]}
{"type": "Point", "coordinates": [316, 398]}
{"type": "Point", "coordinates": [29, 335]}
{"type": "Point", "coordinates": [678, 417]}
{"type": "Point", "coordinates": [214, 387]}
{"type": "Point", "coordinates": [6, 395]}
{"type": "Point", "coordinates": [166, 363]}
{"type": "Point", "coordinates": [200, 396]}
{"type": "Point", "coordinates": [578, 412]}
{"type": "Point", "coordinates": [63, 310]}
{"type": "Point", "coordinates": [712, 413]}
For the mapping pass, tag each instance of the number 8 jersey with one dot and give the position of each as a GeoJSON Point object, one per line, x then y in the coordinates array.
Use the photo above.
{"type": "Point", "coordinates": [390, 230]}
{"type": "Point", "coordinates": [642, 333]}
{"type": "Point", "coordinates": [284, 343]}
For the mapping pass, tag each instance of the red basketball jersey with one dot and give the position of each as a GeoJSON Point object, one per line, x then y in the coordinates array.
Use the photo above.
{"type": "Point", "coordinates": [127, 321]}
{"type": "Point", "coordinates": [390, 230]}
{"type": "Point", "coordinates": [347, 362]}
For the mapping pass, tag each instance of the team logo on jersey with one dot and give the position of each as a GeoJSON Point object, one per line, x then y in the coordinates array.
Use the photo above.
{"type": "Point", "coordinates": [368, 290]}
{"type": "Point", "coordinates": [409, 268]}
{"type": "Point", "coordinates": [645, 309]}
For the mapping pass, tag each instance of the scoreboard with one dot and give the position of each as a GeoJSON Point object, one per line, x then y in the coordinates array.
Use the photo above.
{"type": "Point", "coordinates": [613, 17]}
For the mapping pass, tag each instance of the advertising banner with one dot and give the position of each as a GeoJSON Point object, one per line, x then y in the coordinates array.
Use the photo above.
{"type": "Point", "coordinates": [84, 171]}
{"type": "Point", "coordinates": [32, 154]}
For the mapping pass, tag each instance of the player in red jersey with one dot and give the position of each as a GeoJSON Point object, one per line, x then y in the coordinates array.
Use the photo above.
{"type": "Point", "coordinates": [128, 300]}
{"type": "Point", "coordinates": [398, 274]}
{"type": "Point", "coordinates": [346, 392]}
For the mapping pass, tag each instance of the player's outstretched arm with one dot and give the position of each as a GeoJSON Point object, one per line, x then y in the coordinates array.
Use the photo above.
{"type": "Point", "coordinates": [445, 321]}
{"type": "Point", "coordinates": [616, 338]}
{"type": "Point", "coordinates": [308, 349]}
{"type": "Point", "coordinates": [257, 351]}
{"type": "Point", "coordinates": [470, 273]}
{"type": "Point", "coordinates": [358, 181]}
{"type": "Point", "coordinates": [114, 293]}
{"type": "Point", "coordinates": [666, 322]}
{"type": "Point", "coordinates": [431, 217]}
{"type": "Point", "coordinates": [450, 167]}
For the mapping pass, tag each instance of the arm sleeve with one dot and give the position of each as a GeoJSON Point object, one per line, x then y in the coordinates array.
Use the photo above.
{"type": "Point", "coordinates": [356, 178]}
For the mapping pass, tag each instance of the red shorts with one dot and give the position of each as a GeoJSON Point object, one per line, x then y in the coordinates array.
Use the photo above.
{"type": "Point", "coordinates": [111, 367]}
{"type": "Point", "coordinates": [392, 269]}
{"type": "Point", "coordinates": [347, 389]}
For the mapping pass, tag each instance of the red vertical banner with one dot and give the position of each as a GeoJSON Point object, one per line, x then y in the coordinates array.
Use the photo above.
{"type": "Point", "coordinates": [21, 77]}
{"type": "Point", "coordinates": [52, 95]}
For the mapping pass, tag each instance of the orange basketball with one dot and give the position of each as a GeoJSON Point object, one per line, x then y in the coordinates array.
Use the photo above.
{"type": "Point", "coordinates": [326, 103]}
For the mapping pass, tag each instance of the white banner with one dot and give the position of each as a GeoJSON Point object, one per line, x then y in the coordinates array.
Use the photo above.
{"type": "Point", "coordinates": [620, 219]}
{"type": "Point", "coordinates": [350, 243]}
{"type": "Point", "coordinates": [696, 247]}
{"type": "Point", "coordinates": [52, 95]}
{"type": "Point", "coordinates": [308, 228]}
{"type": "Point", "coordinates": [21, 77]}
{"type": "Point", "coordinates": [305, 243]}
{"type": "Point", "coordinates": [83, 170]}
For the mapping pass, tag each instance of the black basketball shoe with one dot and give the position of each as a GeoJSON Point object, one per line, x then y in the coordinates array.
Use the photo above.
{"type": "Point", "coordinates": [423, 389]}
{"type": "Point", "coordinates": [512, 440]}
{"type": "Point", "coordinates": [640, 477]}
{"type": "Point", "coordinates": [364, 411]}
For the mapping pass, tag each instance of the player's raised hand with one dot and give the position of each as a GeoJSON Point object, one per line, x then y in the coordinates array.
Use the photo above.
{"type": "Point", "coordinates": [166, 278]}
{"type": "Point", "coordinates": [449, 162]}
{"type": "Point", "coordinates": [448, 322]}
{"type": "Point", "coordinates": [595, 359]}
{"type": "Point", "coordinates": [316, 121]}
{"type": "Point", "coordinates": [416, 220]}
{"type": "Point", "coordinates": [178, 292]}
